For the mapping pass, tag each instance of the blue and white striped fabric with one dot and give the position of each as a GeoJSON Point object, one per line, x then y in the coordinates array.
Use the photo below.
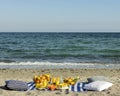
{"type": "Point", "coordinates": [78, 87]}
{"type": "Point", "coordinates": [31, 86]}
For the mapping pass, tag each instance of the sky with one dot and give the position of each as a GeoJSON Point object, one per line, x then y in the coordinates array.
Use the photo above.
{"type": "Point", "coordinates": [59, 15]}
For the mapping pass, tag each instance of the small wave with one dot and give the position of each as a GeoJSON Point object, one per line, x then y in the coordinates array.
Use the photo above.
{"type": "Point", "coordinates": [6, 61]}
{"type": "Point", "coordinates": [109, 51]}
{"type": "Point", "coordinates": [49, 65]}
{"type": "Point", "coordinates": [43, 63]}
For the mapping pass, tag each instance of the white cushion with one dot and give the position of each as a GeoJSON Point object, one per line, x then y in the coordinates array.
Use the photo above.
{"type": "Point", "coordinates": [98, 85]}
{"type": "Point", "coordinates": [16, 85]}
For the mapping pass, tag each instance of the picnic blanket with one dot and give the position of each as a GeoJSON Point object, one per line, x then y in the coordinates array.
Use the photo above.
{"type": "Point", "coordinates": [31, 86]}
{"type": "Point", "coordinates": [78, 87]}
{"type": "Point", "coordinates": [23, 86]}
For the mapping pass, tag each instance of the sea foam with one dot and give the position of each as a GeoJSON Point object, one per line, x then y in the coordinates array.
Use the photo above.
{"type": "Point", "coordinates": [56, 65]}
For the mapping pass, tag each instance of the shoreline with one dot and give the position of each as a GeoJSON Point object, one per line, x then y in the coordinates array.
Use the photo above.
{"type": "Point", "coordinates": [57, 65]}
{"type": "Point", "coordinates": [27, 76]}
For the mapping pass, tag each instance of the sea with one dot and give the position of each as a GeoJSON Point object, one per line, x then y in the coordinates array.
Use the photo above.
{"type": "Point", "coordinates": [59, 50]}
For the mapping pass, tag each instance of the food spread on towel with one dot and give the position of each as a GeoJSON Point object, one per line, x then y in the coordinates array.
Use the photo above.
{"type": "Point", "coordinates": [46, 81]}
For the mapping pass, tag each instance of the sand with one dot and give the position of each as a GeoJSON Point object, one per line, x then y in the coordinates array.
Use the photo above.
{"type": "Point", "coordinates": [27, 76]}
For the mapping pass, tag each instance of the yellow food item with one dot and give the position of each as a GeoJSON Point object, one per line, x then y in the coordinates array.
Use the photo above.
{"type": "Point", "coordinates": [41, 81]}
{"type": "Point", "coordinates": [70, 81]}
{"type": "Point", "coordinates": [62, 86]}
{"type": "Point", "coordinates": [55, 80]}
{"type": "Point", "coordinates": [45, 81]}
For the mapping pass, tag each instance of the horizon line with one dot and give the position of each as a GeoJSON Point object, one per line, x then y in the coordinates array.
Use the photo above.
{"type": "Point", "coordinates": [60, 31]}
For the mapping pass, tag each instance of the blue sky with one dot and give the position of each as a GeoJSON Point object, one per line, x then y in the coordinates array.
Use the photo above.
{"type": "Point", "coordinates": [59, 15]}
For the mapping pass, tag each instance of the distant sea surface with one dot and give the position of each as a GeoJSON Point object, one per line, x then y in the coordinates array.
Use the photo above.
{"type": "Point", "coordinates": [59, 49]}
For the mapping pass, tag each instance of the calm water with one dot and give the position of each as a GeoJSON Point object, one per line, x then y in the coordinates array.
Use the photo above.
{"type": "Point", "coordinates": [58, 48]}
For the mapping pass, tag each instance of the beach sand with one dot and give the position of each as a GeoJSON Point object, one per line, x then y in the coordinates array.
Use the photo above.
{"type": "Point", "coordinates": [27, 76]}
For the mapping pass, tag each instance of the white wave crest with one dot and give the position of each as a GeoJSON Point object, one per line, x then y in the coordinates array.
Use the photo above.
{"type": "Point", "coordinates": [44, 63]}
{"type": "Point", "coordinates": [56, 65]}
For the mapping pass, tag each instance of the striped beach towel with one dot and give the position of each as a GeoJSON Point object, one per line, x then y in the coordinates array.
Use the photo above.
{"type": "Point", "coordinates": [78, 87]}
{"type": "Point", "coordinates": [31, 86]}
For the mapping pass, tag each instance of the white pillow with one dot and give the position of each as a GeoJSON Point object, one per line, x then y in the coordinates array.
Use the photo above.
{"type": "Point", "coordinates": [98, 85]}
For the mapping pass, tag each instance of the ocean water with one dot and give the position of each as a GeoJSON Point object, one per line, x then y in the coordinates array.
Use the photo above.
{"type": "Point", "coordinates": [59, 50]}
